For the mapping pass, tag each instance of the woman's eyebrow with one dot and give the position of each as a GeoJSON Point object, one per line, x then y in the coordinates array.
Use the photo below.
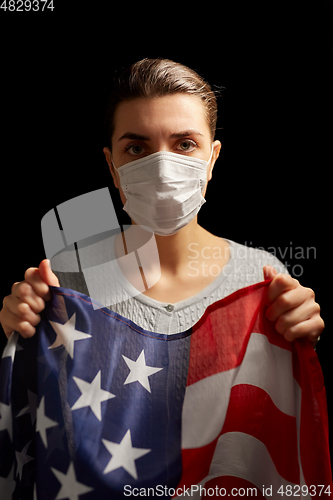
{"type": "Point", "coordinates": [133, 136]}
{"type": "Point", "coordinates": [186, 133]}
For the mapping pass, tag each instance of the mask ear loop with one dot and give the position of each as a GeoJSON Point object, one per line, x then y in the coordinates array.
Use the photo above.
{"type": "Point", "coordinates": [208, 162]}
{"type": "Point", "coordinates": [121, 226]}
{"type": "Point", "coordinates": [211, 155]}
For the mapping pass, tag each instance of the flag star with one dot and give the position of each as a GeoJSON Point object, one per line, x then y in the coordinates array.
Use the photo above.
{"type": "Point", "coordinates": [123, 455]}
{"type": "Point", "coordinates": [22, 458]}
{"type": "Point", "coordinates": [30, 408]}
{"type": "Point", "coordinates": [55, 440]}
{"type": "Point", "coordinates": [10, 349]}
{"type": "Point", "coordinates": [140, 371]}
{"type": "Point", "coordinates": [70, 488]}
{"type": "Point", "coordinates": [6, 422]}
{"type": "Point", "coordinates": [67, 335]}
{"type": "Point", "coordinates": [92, 395]}
{"type": "Point", "coordinates": [43, 422]}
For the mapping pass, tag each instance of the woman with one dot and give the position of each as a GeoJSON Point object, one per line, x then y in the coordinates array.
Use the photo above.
{"type": "Point", "coordinates": [164, 411]}
{"type": "Point", "coordinates": [161, 106]}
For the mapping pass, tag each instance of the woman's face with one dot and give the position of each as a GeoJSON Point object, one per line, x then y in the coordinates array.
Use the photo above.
{"type": "Point", "coordinates": [174, 123]}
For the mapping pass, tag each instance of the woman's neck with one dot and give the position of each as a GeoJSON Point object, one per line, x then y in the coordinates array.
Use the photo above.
{"type": "Point", "coordinates": [185, 263]}
{"type": "Point", "coordinates": [174, 250]}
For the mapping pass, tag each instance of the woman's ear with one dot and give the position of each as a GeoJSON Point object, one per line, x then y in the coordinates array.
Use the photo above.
{"type": "Point", "coordinates": [216, 151]}
{"type": "Point", "coordinates": [112, 169]}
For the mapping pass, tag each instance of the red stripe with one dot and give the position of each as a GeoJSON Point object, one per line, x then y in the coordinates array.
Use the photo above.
{"type": "Point", "coordinates": [263, 325]}
{"type": "Point", "coordinates": [196, 464]}
{"type": "Point", "coordinates": [315, 453]}
{"type": "Point", "coordinates": [252, 411]}
{"type": "Point", "coordinates": [220, 338]}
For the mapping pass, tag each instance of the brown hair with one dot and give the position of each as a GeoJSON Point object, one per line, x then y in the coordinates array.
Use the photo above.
{"type": "Point", "coordinates": [156, 78]}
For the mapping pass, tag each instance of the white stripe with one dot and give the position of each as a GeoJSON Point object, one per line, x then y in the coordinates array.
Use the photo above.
{"type": "Point", "coordinates": [205, 404]}
{"type": "Point", "coordinates": [204, 409]}
{"type": "Point", "coordinates": [269, 367]}
{"type": "Point", "coordinates": [246, 457]}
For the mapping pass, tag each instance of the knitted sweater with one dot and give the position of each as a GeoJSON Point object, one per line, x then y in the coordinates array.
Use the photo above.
{"type": "Point", "coordinates": [244, 268]}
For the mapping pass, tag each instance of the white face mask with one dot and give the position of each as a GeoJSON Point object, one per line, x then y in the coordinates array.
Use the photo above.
{"type": "Point", "coordinates": [164, 190]}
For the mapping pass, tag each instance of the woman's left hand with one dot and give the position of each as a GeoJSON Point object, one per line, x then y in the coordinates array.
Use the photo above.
{"type": "Point", "coordinates": [292, 307]}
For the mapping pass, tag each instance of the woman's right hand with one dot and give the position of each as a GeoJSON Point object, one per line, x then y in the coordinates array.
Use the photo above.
{"type": "Point", "coordinates": [20, 311]}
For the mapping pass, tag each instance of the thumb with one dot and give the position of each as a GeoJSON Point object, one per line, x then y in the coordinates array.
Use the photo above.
{"type": "Point", "coordinates": [269, 272]}
{"type": "Point", "coordinates": [46, 273]}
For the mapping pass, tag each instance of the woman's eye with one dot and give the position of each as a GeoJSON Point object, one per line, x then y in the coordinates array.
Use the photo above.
{"type": "Point", "coordinates": [187, 146]}
{"type": "Point", "coordinates": [135, 149]}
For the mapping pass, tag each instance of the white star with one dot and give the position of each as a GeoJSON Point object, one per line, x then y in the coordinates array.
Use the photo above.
{"type": "Point", "coordinates": [140, 371]}
{"type": "Point", "coordinates": [70, 488]}
{"type": "Point", "coordinates": [123, 455]}
{"type": "Point", "coordinates": [43, 422]}
{"type": "Point", "coordinates": [9, 350]}
{"type": "Point", "coordinates": [31, 407]}
{"type": "Point", "coordinates": [92, 395]}
{"type": "Point", "coordinates": [22, 458]}
{"type": "Point", "coordinates": [67, 335]}
{"type": "Point", "coordinates": [6, 422]}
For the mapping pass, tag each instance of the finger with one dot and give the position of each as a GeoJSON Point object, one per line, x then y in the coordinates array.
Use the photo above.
{"type": "Point", "coordinates": [310, 329]}
{"type": "Point", "coordinates": [280, 284]}
{"type": "Point", "coordinates": [14, 323]}
{"type": "Point", "coordinates": [33, 277]}
{"type": "Point", "coordinates": [22, 310]}
{"type": "Point", "coordinates": [25, 329]}
{"type": "Point", "coordinates": [297, 315]}
{"type": "Point", "coordinates": [288, 300]}
{"type": "Point", "coordinates": [4, 319]}
{"type": "Point", "coordinates": [46, 273]}
{"type": "Point", "coordinates": [25, 293]}
{"type": "Point", "coordinates": [269, 272]}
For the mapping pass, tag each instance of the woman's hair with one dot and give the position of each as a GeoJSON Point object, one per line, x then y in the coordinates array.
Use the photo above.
{"type": "Point", "coordinates": [151, 78]}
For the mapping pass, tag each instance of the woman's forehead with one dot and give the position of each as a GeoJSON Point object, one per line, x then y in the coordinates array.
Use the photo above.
{"type": "Point", "coordinates": [172, 112]}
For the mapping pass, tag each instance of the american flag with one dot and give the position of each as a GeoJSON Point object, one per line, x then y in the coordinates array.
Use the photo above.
{"type": "Point", "coordinates": [94, 407]}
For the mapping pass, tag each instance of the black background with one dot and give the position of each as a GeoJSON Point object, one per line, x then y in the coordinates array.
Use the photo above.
{"type": "Point", "coordinates": [272, 184]}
